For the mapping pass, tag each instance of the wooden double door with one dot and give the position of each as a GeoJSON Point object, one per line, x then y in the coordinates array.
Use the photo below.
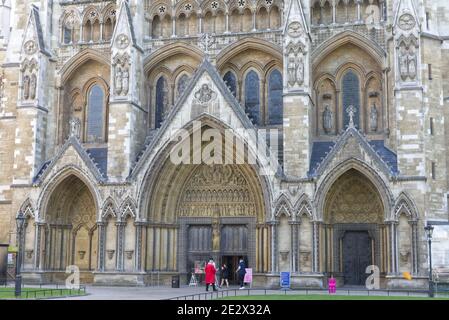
{"type": "Point", "coordinates": [357, 256]}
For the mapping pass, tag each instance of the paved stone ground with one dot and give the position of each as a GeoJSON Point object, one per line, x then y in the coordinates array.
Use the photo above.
{"type": "Point", "coordinates": [139, 293]}
{"type": "Point", "coordinates": [160, 293]}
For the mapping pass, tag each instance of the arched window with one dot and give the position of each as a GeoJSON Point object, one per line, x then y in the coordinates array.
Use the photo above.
{"type": "Point", "coordinates": [156, 27]}
{"type": "Point", "coordinates": [182, 84]}
{"type": "Point", "coordinates": [275, 103]}
{"type": "Point", "coordinates": [161, 101]}
{"type": "Point", "coordinates": [95, 115]}
{"type": "Point", "coordinates": [231, 82]}
{"type": "Point", "coordinates": [351, 97]}
{"type": "Point", "coordinates": [68, 35]}
{"type": "Point", "coordinates": [88, 31]}
{"type": "Point", "coordinates": [252, 96]}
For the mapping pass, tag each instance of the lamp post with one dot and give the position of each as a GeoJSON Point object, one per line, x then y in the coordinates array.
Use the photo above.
{"type": "Point", "coordinates": [429, 232]}
{"type": "Point", "coordinates": [20, 220]}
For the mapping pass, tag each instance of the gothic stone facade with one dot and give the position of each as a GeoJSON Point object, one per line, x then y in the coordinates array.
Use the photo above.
{"type": "Point", "coordinates": [357, 91]}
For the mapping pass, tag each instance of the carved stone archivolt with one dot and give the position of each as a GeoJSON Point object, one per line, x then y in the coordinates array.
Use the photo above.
{"type": "Point", "coordinates": [353, 199]}
{"type": "Point", "coordinates": [217, 191]}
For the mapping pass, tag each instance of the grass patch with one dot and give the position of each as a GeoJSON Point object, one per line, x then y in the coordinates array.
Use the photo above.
{"type": "Point", "coordinates": [39, 293]}
{"type": "Point", "coordinates": [325, 297]}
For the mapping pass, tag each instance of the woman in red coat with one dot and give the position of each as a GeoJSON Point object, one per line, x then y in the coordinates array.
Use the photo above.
{"type": "Point", "coordinates": [210, 271]}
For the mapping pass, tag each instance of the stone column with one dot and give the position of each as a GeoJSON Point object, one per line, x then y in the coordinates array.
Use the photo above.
{"type": "Point", "coordinates": [173, 27]}
{"type": "Point", "coordinates": [120, 245]}
{"type": "Point", "coordinates": [274, 249]}
{"type": "Point", "coordinates": [227, 23]}
{"type": "Point", "coordinates": [415, 264]}
{"type": "Point", "coordinates": [254, 20]}
{"type": "Point", "coordinates": [393, 247]}
{"type": "Point", "coordinates": [294, 245]}
{"type": "Point", "coordinates": [37, 245]}
{"type": "Point", "coordinates": [334, 12]}
{"type": "Point", "coordinates": [316, 246]}
{"type": "Point", "coordinates": [359, 13]}
{"type": "Point", "coordinates": [139, 245]}
{"type": "Point", "coordinates": [101, 245]}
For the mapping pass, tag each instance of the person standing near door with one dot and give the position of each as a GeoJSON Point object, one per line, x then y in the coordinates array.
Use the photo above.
{"type": "Point", "coordinates": [210, 271]}
{"type": "Point", "coordinates": [224, 275]}
{"type": "Point", "coordinates": [241, 270]}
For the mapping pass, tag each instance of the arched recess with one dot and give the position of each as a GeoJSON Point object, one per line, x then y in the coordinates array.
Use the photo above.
{"type": "Point", "coordinates": [350, 61]}
{"type": "Point", "coordinates": [69, 205]}
{"type": "Point", "coordinates": [182, 195]}
{"type": "Point", "coordinates": [28, 234]}
{"type": "Point", "coordinates": [406, 216]}
{"type": "Point", "coordinates": [171, 62]}
{"type": "Point", "coordinates": [349, 37]}
{"type": "Point", "coordinates": [355, 233]}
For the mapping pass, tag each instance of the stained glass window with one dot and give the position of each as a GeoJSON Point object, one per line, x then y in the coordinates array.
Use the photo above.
{"type": "Point", "coordinates": [252, 96]}
{"type": "Point", "coordinates": [231, 82]}
{"type": "Point", "coordinates": [96, 116]}
{"type": "Point", "coordinates": [275, 98]}
{"type": "Point", "coordinates": [161, 100]}
{"type": "Point", "coordinates": [351, 97]}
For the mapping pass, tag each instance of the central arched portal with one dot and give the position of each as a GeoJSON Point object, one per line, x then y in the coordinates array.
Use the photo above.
{"type": "Point", "coordinates": [354, 234]}
{"type": "Point", "coordinates": [201, 211]}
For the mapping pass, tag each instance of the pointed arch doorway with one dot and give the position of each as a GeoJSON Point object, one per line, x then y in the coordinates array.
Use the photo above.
{"type": "Point", "coordinates": [354, 232]}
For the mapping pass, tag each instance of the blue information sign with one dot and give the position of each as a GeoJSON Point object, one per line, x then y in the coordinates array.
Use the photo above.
{"type": "Point", "coordinates": [285, 280]}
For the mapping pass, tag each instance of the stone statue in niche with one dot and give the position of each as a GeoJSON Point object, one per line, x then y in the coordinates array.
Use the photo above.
{"type": "Point", "coordinates": [291, 70]}
{"type": "Point", "coordinates": [408, 62]}
{"type": "Point", "coordinates": [118, 81]}
{"type": "Point", "coordinates": [327, 120]}
{"type": "Point", "coordinates": [295, 65]}
{"type": "Point", "coordinates": [373, 118]}
{"type": "Point", "coordinates": [125, 82]}
{"type": "Point", "coordinates": [412, 63]}
{"type": "Point", "coordinates": [75, 127]}
{"type": "Point", "coordinates": [216, 235]}
{"type": "Point", "coordinates": [300, 69]}
{"type": "Point", "coordinates": [33, 84]}
{"type": "Point", "coordinates": [26, 87]}
{"type": "Point", "coordinates": [403, 65]}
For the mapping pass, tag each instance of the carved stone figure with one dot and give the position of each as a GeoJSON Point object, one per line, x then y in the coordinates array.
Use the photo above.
{"type": "Point", "coordinates": [75, 128]}
{"type": "Point", "coordinates": [216, 236]}
{"type": "Point", "coordinates": [403, 64]}
{"type": "Point", "coordinates": [373, 118]}
{"type": "Point", "coordinates": [118, 81]}
{"type": "Point", "coordinates": [33, 84]}
{"type": "Point", "coordinates": [125, 82]}
{"type": "Point", "coordinates": [205, 94]}
{"type": "Point", "coordinates": [327, 120]}
{"type": "Point", "coordinates": [299, 69]}
{"type": "Point", "coordinates": [291, 70]}
{"type": "Point", "coordinates": [26, 87]}
{"type": "Point", "coordinates": [411, 61]}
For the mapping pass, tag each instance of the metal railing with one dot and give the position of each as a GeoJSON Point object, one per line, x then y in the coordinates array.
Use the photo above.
{"type": "Point", "coordinates": [340, 292]}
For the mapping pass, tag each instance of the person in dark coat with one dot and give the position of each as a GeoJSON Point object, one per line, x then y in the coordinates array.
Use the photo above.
{"type": "Point", "coordinates": [224, 275]}
{"type": "Point", "coordinates": [241, 270]}
{"type": "Point", "coordinates": [210, 275]}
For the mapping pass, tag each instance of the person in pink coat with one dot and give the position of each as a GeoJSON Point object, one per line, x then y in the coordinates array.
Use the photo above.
{"type": "Point", "coordinates": [210, 271]}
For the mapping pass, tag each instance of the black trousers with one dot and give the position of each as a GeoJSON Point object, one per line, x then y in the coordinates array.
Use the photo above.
{"type": "Point", "coordinates": [213, 286]}
{"type": "Point", "coordinates": [241, 278]}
